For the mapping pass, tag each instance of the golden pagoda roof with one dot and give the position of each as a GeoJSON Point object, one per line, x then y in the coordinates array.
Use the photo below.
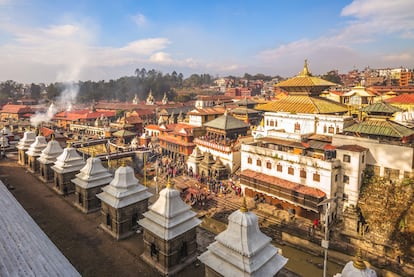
{"type": "Point", "coordinates": [303, 104]}
{"type": "Point", "coordinates": [304, 79]}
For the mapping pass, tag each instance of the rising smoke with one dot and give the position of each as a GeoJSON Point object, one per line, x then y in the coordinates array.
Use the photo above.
{"type": "Point", "coordinates": [75, 58]}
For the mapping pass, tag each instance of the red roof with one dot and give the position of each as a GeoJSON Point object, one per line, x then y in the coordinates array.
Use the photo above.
{"type": "Point", "coordinates": [406, 98]}
{"type": "Point", "coordinates": [314, 192]}
{"type": "Point", "coordinates": [46, 131]}
{"type": "Point", "coordinates": [10, 108]}
{"type": "Point", "coordinates": [83, 114]}
{"type": "Point", "coordinates": [352, 147]}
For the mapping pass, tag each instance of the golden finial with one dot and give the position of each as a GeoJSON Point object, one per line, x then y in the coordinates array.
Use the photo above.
{"type": "Point", "coordinates": [169, 185]}
{"type": "Point", "coordinates": [243, 207]}
{"type": "Point", "coordinates": [52, 136]}
{"type": "Point", "coordinates": [69, 145]}
{"type": "Point", "coordinates": [37, 131]}
{"type": "Point", "coordinates": [305, 71]}
{"type": "Point", "coordinates": [359, 262]}
{"type": "Point", "coordinates": [123, 163]}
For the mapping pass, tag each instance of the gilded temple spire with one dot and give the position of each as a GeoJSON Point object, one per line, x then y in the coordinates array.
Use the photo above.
{"type": "Point", "coordinates": [305, 71]}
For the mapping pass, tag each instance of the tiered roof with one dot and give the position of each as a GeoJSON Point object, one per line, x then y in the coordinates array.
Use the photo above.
{"type": "Point", "coordinates": [303, 104]}
{"type": "Point", "coordinates": [242, 249]}
{"type": "Point", "coordinates": [51, 152]}
{"type": "Point", "coordinates": [68, 161]}
{"type": "Point", "coordinates": [28, 138]}
{"type": "Point", "coordinates": [169, 216]}
{"type": "Point", "coordinates": [93, 174]}
{"type": "Point", "coordinates": [124, 189]}
{"type": "Point", "coordinates": [37, 146]}
{"type": "Point", "coordinates": [304, 82]}
{"type": "Point", "coordinates": [226, 122]}
{"type": "Point", "coordinates": [380, 127]}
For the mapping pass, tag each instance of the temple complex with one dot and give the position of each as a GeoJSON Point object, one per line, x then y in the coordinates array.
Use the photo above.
{"type": "Point", "coordinates": [242, 249]}
{"type": "Point", "coordinates": [34, 152]}
{"type": "Point", "coordinates": [47, 158]}
{"type": "Point", "coordinates": [221, 141]}
{"type": "Point", "coordinates": [88, 183]}
{"type": "Point", "coordinates": [66, 167]}
{"type": "Point", "coordinates": [23, 145]}
{"type": "Point", "coordinates": [169, 233]}
{"type": "Point", "coordinates": [123, 202]}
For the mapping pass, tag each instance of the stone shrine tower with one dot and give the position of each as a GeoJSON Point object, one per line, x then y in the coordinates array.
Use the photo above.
{"type": "Point", "coordinates": [123, 202]}
{"type": "Point", "coordinates": [193, 162]}
{"type": "Point", "coordinates": [169, 233]}
{"type": "Point", "coordinates": [23, 145]}
{"type": "Point", "coordinates": [88, 183]}
{"type": "Point", "coordinates": [242, 249]}
{"type": "Point", "coordinates": [34, 152]}
{"type": "Point", "coordinates": [66, 167]}
{"type": "Point", "coordinates": [47, 159]}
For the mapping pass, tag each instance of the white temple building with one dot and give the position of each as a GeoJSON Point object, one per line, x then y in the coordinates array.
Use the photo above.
{"type": "Point", "coordinates": [242, 249]}
{"type": "Point", "coordinates": [47, 158]}
{"type": "Point", "coordinates": [356, 268]}
{"type": "Point", "coordinates": [88, 183]}
{"type": "Point", "coordinates": [169, 233]}
{"type": "Point", "coordinates": [34, 151]}
{"type": "Point", "coordinates": [123, 202]}
{"type": "Point", "coordinates": [66, 167]}
{"type": "Point", "coordinates": [23, 145]}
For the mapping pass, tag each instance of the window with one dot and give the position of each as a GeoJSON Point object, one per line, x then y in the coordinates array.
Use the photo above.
{"type": "Point", "coordinates": [279, 167]}
{"type": "Point", "coordinates": [267, 122]}
{"type": "Point", "coordinates": [346, 158]}
{"type": "Point", "coordinates": [269, 165]}
{"type": "Point", "coordinates": [297, 127]}
{"type": "Point", "coordinates": [337, 130]}
{"type": "Point", "coordinates": [316, 177]}
{"type": "Point", "coordinates": [324, 128]}
{"type": "Point", "coordinates": [259, 163]}
{"type": "Point", "coordinates": [302, 173]}
{"type": "Point", "coordinates": [336, 178]}
{"type": "Point", "coordinates": [291, 171]}
{"type": "Point", "coordinates": [272, 123]}
{"type": "Point", "coordinates": [363, 159]}
{"type": "Point", "coordinates": [331, 130]}
{"type": "Point", "coordinates": [249, 160]}
{"type": "Point", "coordinates": [346, 179]}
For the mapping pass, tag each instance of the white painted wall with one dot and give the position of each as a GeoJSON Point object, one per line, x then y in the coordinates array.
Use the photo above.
{"type": "Point", "coordinates": [381, 154]}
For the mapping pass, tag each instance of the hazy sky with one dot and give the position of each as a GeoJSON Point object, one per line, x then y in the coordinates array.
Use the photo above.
{"type": "Point", "coordinates": [46, 41]}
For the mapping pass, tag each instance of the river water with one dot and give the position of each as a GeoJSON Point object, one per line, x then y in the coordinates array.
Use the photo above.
{"type": "Point", "coordinates": [306, 264]}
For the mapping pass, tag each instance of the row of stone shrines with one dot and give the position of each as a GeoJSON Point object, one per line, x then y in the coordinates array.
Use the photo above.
{"type": "Point", "coordinates": [169, 225]}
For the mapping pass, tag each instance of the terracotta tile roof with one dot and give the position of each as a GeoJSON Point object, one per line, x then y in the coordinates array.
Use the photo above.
{"type": "Point", "coordinates": [380, 127]}
{"type": "Point", "coordinates": [152, 127]}
{"type": "Point", "coordinates": [303, 104]}
{"type": "Point", "coordinates": [133, 119]}
{"type": "Point", "coordinates": [10, 108]}
{"type": "Point", "coordinates": [406, 98]}
{"type": "Point", "coordinates": [275, 181]}
{"type": "Point", "coordinates": [352, 147]}
{"type": "Point", "coordinates": [207, 111]}
{"type": "Point", "coordinates": [46, 131]}
{"type": "Point", "coordinates": [83, 114]}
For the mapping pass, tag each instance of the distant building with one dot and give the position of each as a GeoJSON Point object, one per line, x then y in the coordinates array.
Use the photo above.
{"type": "Point", "coordinates": [10, 111]}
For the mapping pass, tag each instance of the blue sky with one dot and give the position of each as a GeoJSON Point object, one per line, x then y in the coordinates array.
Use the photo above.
{"type": "Point", "coordinates": [46, 41]}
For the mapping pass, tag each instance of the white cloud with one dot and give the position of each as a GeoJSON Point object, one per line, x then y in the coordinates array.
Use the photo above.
{"type": "Point", "coordinates": [139, 19]}
{"type": "Point", "coordinates": [370, 22]}
{"type": "Point", "coordinates": [161, 58]}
